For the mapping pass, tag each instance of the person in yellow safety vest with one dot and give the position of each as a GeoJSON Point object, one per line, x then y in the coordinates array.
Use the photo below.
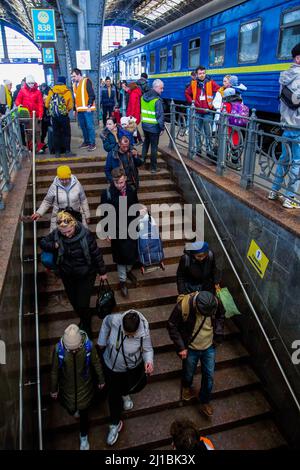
{"type": "Point", "coordinates": [203, 99]}
{"type": "Point", "coordinates": [85, 106]}
{"type": "Point", "coordinates": [153, 121]}
{"type": "Point", "coordinates": [186, 437]}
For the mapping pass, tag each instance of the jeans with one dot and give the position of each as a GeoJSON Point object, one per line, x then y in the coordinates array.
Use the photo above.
{"type": "Point", "coordinates": [207, 360]}
{"type": "Point", "coordinates": [150, 138]}
{"type": "Point", "coordinates": [204, 123]}
{"type": "Point", "coordinates": [123, 269]}
{"type": "Point", "coordinates": [282, 166]}
{"type": "Point", "coordinates": [86, 122]}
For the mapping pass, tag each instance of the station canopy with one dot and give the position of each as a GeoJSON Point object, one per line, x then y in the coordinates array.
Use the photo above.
{"type": "Point", "coordinates": [142, 15]}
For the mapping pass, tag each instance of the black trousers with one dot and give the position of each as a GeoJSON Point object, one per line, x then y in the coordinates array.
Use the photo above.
{"type": "Point", "coordinates": [79, 293]}
{"type": "Point", "coordinates": [84, 422]}
{"type": "Point", "coordinates": [150, 139]}
{"type": "Point", "coordinates": [61, 133]}
{"type": "Point", "coordinates": [115, 385]}
{"type": "Point", "coordinates": [106, 109]}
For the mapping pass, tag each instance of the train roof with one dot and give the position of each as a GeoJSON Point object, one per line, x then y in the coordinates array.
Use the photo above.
{"type": "Point", "coordinates": [205, 11]}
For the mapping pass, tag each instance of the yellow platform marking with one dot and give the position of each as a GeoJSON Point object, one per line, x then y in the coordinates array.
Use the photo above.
{"type": "Point", "coordinates": [67, 159]}
{"type": "Point", "coordinates": [257, 258]}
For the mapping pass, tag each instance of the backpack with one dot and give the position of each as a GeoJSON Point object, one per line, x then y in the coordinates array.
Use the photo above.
{"type": "Point", "coordinates": [57, 106]}
{"type": "Point", "coordinates": [150, 247]}
{"type": "Point", "coordinates": [238, 108]}
{"type": "Point", "coordinates": [61, 352]}
{"type": "Point", "coordinates": [286, 97]}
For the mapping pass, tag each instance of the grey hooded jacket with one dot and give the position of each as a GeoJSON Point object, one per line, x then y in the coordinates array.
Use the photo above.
{"type": "Point", "coordinates": [73, 196]}
{"type": "Point", "coordinates": [136, 348]}
{"type": "Point", "coordinates": [291, 79]}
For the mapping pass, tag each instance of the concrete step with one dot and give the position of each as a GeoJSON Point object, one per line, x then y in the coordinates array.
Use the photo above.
{"type": "Point", "coordinates": [154, 398]}
{"type": "Point", "coordinates": [138, 433]}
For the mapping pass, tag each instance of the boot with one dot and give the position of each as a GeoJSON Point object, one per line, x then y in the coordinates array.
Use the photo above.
{"type": "Point", "coordinates": [124, 289]}
{"type": "Point", "coordinates": [132, 278]}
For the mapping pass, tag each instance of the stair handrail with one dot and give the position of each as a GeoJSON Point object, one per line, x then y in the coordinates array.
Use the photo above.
{"type": "Point", "coordinates": [234, 270]}
{"type": "Point", "coordinates": [20, 325]}
{"type": "Point", "coordinates": [35, 273]}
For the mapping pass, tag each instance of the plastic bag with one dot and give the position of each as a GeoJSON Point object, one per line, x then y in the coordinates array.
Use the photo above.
{"type": "Point", "coordinates": [228, 303]}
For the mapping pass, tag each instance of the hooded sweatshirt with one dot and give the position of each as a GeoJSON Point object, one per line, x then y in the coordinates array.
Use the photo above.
{"type": "Point", "coordinates": [159, 113]}
{"type": "Point", "coordinates": [66, 94]}
{"type": "Point", "coordinates": [136, 348]}
{"type": "Point", "coordinates": [291, 79]}
{"type": "Point", "coordinates": [59, 197]}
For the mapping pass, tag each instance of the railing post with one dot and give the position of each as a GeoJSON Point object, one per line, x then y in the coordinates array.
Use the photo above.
{"type": "Point", "coordinates": [247, 177]}
{"type": "Point", "coordinates": [192, 132]}
{"type": "Point", "coordinates": [3, 162]}
{"type": "Point", "coordinates": [222, 144]}
{"type": "Point", "coordinates": [173, 123]}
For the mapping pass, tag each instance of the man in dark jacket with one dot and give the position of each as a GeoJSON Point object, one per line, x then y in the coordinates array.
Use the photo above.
{"type": "Point", "coordinates": [108, 99]}
{"type": "Point", "coordinates": [72, 381]}
{"type": "Point", "coordinates": [197, 269]}
{"type": "Point", "coordinates": [124, 250]}
{"type": "Point", "coordinates": [153, 121]}
{"type": "Point", "coordinates": [143, 83]}
{"type": "Point", "coordinates": [78, 259]}
{"type": "Point", "coordinates": [192, 325]}
{"type": "Point", "coordinates": [126, 157]}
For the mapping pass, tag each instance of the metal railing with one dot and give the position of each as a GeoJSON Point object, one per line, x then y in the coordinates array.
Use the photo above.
{"type": "Point", "coordinates": [12, 149]}
{"type": "Point", "coordinates": [241, 284]}
{"type": "Point", "coordinates": [259, 151]}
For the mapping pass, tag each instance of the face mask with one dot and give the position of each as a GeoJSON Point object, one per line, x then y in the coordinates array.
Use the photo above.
{"type": "Point", "coordinates": [31, 85]}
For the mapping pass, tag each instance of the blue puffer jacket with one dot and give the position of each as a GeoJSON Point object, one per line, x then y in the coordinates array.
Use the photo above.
{"type": "Point", "coordinates": [159, 113]}
{"type": "Point", "coordinates": [110, 142]}
{"type": "Point", "coordinates": [105, 99]}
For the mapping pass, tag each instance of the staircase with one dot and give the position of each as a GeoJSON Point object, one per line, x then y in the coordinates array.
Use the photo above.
{"type": "Point", "coordinates": [242, 417]}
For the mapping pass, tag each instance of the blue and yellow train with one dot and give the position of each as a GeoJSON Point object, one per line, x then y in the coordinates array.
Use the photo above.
{"type": "Point", "coordinates": [251, 39]}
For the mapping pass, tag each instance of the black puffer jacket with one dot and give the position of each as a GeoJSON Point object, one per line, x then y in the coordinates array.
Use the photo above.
{"type": "Point", "coordinates": [77, 256]}
{"type": "Point", "coordinates": [194, 275]}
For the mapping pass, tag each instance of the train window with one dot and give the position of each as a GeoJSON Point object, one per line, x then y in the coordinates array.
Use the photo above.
{"type": "Point", "coordinates": [176, 57]}
{"type": "Point", "coordinates": [136, 66]}
{"type": "Point", "coordinates": [289, 33]}
{"type": "Point", "coordinates": [217, 48]}
{"type": "Point", "coordinates": [194, 53]}
{"type": "Point", "coordinates": [143, 63]}
{"type": "Point", "coordinates": [152, 62]}
{"type": "Point", "coordinates": [249, 41]}
{"type": "Point", "coordinates": [163, 59]}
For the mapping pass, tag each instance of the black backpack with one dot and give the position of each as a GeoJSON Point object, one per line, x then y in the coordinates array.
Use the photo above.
{"type": "Point", "coordinates": [286, 97]}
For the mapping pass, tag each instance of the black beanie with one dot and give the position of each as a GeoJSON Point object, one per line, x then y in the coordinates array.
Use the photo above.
{"type": "Point", "coordinates": [206, 303]}
{"type": "Point", "coordinates": [296, 50]}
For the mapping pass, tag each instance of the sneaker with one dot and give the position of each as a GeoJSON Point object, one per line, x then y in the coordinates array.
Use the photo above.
{"type": "Point", "coordinates": [206, 409]}
{"type": "Point", "coordinates": [273, 195]}
{"type": "Point", "coordinates": [92, 147]}
{"type": "Point", "coordinates": [84, 145]}
{"type": "Point", "coordinates": [84, 443]}
{"type": "Point", "coordinates": [70, 154]}
{"type": "Point", "coordinates": [127, 403]}
{"type": "Point", "coordinates": [155, 171]}
{"type": "Point", "coordinates": [291, 204]}
{"type": "Point", "coordinates": [124, 289]}
{"type": "Point", "coordinates": [57, 155]}
{"type": "Point", "coordinates": [113, 433]}
{"type": "Point", "coordinates": [188, 393]}
{"type": "Point", "coordinates": [76, 414]}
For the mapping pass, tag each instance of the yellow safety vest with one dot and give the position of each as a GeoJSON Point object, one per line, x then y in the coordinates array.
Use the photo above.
{"type": "Point", "coordinates": [148, 111]}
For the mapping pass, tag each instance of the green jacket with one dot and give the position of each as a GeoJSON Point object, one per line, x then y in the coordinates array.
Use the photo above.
{"type": "Point", "coordinates": [74, 391]}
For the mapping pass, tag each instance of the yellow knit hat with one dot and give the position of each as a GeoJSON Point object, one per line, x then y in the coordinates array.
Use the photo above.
{"type": "Point", "coordinates": [64, 172]}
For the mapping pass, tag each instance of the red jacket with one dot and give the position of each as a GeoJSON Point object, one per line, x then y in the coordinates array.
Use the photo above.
{"type": "Point", "coordinates": [201, 92]}
{"type": "Point", "coordinates": [32, 99]}
{"type": "Point", "coordinates": [134, 104]}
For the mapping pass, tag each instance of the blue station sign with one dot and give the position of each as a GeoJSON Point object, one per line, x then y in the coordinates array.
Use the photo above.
{"type": "Point", "coordinates": [48, 55]}
{"type": "Point", "coordinates": [43, 25]}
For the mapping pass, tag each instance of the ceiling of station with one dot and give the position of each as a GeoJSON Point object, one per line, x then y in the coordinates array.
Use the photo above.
{"type": "Point", "coordinates": [143, 15]}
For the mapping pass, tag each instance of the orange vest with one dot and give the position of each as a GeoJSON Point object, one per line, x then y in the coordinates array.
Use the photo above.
{"type": "Point", "coordinates": [194, 89]}
{"type": "Point", "coordinates": [207, 442]}
{"type": "Point", "coordinates": [209, 94]}
{"type": "Point", "coordinates": [82, 97]}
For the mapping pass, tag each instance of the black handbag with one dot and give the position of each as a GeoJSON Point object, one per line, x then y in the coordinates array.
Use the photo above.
{"type": "Point", "coordinates": [105, 301]}
{"type": "Point", "coordinates": [136, 379]}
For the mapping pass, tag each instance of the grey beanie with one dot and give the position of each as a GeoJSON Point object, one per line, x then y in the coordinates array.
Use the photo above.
{"type": "Point", "coordinates": [206, 303]}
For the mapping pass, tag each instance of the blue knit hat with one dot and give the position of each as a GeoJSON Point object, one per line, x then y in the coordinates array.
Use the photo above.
{"type": "Point", "coordinates": [61, 79]}
{"type": "Point", "coordinates": [197, 247]}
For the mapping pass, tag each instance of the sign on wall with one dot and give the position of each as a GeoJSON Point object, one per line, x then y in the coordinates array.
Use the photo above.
{"type": "Point", "coordinates": [83, 60]}
{"type": "Point", "coordinates": [43, 25]}
{"type": "Point", "coordinates": [48, 55]}
{"type": "Point", "coordinates": [257, 258]}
